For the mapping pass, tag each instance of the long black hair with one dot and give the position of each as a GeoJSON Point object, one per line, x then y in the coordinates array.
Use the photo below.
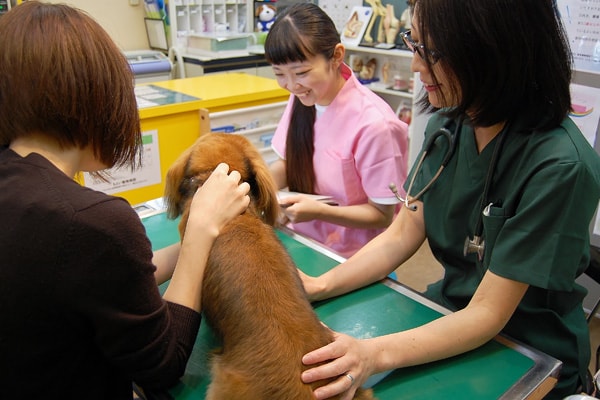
{"type": "Point", "coordinates": [507, 59]}
{"type": "Point", "coordinates": [301, 31]}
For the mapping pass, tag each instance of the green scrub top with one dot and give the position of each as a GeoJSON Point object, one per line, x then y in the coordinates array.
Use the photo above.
{"type": "Point", "coordinates": [544, 192]}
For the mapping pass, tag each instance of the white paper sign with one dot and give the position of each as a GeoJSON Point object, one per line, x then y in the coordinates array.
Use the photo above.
{"type": "Point", "coordinates": [122, 179]}
{"type": "Point", "coordinates": [581, 19]}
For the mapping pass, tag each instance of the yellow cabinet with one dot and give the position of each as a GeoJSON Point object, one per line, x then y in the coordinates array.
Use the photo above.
{"type": "Point", "coordinates": [173, 114]}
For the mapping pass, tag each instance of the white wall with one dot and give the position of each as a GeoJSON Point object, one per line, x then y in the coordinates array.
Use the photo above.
{"type": "Point", "coordinates": [123, 22]}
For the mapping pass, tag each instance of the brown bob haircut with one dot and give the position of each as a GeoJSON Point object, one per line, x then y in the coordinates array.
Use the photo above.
{"type": "Point", "coordinates": [61, 75]}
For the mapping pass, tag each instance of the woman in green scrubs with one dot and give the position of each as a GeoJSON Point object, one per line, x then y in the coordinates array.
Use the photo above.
{"type": "Point", "coordinates": [521, 177]}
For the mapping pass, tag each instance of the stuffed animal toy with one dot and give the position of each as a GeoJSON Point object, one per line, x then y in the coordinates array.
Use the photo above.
{"type": "Point", "coordinates": [266, 16]}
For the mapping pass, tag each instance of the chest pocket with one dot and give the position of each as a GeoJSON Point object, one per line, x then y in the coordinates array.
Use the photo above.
{"type": "Point", "coordinates": [493, 220]}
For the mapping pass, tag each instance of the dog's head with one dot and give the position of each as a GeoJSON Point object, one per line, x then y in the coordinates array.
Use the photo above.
{"type": "Point", "coordinates": [195, 165]}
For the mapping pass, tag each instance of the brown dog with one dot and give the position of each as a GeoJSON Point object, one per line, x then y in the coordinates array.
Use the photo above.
{"type": "Point", "coordinates": [252, 295]}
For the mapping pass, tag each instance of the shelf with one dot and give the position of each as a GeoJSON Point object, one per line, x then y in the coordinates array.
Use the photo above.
{"type": "Point", "coordinates": [379, 88]}
{"type": "Point", "coordinates": [268, 128]}
{"type": "Point", "coordinates": [257, 123]}
{"type": "Point", "coordinates": [208, 18]}
{"type": "Point", "coordinates": [395, 62]}
{"type": "Point", "coordinates": [372, 50]}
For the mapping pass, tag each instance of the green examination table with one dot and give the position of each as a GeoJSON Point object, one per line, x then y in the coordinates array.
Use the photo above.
{"type": "Point", "coordinates": [501, 369]}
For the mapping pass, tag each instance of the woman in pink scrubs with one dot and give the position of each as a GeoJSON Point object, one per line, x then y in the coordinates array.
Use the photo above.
{"type": "Point", "coordinates": [336, 137]}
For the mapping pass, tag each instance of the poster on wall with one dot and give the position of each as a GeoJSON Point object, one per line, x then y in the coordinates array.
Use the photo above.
{"type": "Point", "coordinates": [122, 179]}
{"type": "Point", "coordinates": [581, 19]}
{"type": "Point", "coordinates": [338, 10]}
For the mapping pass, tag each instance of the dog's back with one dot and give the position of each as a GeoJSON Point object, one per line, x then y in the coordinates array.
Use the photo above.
{"type": "Point", "coordinates": [254, 300]}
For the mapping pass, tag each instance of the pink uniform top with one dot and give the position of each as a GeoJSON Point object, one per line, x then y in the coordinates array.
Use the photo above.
{"type": "Point", "coordinates": [360, 147]}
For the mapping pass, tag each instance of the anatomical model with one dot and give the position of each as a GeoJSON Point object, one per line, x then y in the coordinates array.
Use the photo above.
{"type": "Point", "coordinates": [389, 25]}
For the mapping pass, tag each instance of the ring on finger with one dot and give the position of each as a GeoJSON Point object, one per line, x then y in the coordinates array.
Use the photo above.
{"type": "Point", "coordinates": [350, 377]}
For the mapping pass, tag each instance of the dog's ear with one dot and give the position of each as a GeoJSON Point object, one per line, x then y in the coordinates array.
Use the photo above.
{"type": "Point", "coordinates": [173, 197]}
{"type": "Point", "coordinates": [265, 192]}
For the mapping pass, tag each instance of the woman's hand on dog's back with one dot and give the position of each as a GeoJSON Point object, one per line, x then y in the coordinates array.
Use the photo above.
{"type": "Point", "coordinates": [218, 201]}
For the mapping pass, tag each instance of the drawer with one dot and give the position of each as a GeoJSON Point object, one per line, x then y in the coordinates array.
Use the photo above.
{"type": "Point", "coordinates": [257, 123]}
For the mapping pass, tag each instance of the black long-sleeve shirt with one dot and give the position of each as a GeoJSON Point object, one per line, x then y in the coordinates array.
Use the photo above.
{"type": "Point", "coordinates": [80, 311]}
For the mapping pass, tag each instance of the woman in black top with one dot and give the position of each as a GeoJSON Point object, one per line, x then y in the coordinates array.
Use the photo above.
{"type": "Point", "coordinates": [80, 311]}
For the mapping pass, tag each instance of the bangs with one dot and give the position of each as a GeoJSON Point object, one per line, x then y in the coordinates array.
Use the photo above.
{"type": "Point", "coordinates": [283, 45]}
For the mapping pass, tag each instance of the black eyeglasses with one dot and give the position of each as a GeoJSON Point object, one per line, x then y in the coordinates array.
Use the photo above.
{"type": "Point", "coordinates": [429, 56]}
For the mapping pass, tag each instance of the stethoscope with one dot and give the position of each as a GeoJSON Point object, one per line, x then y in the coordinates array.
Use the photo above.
{"type": "Point", "coordinates": [476, 244]}
{"type": "Point", "coordinates": [452, 143]}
